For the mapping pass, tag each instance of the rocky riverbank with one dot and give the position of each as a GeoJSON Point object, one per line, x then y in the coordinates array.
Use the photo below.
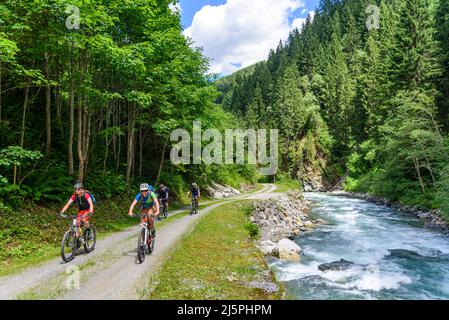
{"type": "Point", "coordinates": [218, 191]}
{"type": "Point", "coordinates": [279, 221]}
{"type": "Point", "coordinates": [433, 218]}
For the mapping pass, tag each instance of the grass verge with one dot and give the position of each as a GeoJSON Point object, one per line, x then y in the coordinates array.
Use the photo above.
{"type": "Point", "coordinates": [217, 260]}
{"type": "Point", "coordinates": [286, 185]}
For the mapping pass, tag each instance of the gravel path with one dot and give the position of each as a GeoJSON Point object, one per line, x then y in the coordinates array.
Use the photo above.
{"type": "Point", "coordinates": [111, 271]}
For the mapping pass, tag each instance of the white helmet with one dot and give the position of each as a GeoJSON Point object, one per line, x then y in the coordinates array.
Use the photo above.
{"type": "Point", "coordinates": [144, 187]}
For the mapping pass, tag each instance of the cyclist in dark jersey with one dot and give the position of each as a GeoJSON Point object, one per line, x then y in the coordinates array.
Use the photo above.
{"type": "Point", "coordinates": [162, 194]}
{"type": "Point", "coordinates": [194, 192]}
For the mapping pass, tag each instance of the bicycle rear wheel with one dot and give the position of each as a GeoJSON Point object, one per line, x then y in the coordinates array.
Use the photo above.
{"type": "Point", "coordinates": [90, 239]}
{"type": "Point", "coordinates": [141, 241]}
{"type": "Point", "coordinates": [68, 246]}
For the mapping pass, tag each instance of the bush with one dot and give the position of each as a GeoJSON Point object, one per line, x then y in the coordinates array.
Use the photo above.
{"type": "Point", "coordinates": [253, 230]}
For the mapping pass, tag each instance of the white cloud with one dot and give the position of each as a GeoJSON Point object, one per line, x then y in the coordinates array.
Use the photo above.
{"type": "Point", "coordinates": [241, 32]}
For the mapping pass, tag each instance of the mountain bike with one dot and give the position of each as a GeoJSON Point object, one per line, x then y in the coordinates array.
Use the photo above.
{"type": "Point", "coordinates": [164, 207]}
{"type": "Point", "coordinates": [70, 244]}
{"type": "Point", "coordinates": [194, 206]}
{"type": "Point", "coordinates": [145, 241]}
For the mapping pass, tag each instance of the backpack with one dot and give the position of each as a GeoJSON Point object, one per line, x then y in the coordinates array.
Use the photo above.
{"type": "Point", "coordinates": [94, 200]}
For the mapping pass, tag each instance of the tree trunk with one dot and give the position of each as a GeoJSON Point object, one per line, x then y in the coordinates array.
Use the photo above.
{"type": "Point", "coordinates": [418, 171]}
{"type": "Point", "coordinates": [80, 142]}
{"type": "Point", "coordinates": [130, 153]}
{"type": "Point", "coordinates": [141, 151]}
{"type": "Point", "coordinates": [119, 144]}
{"type": "Point", "coordinates": [0, 92]}
{"type": "Point", "coordinates": [71, 126]}
{"type": "Point", "coordinates": [48, 103]}
{"type": "Point", "coordinates": [58, 104]}
{"type": "Point", "coordinates": [25, 104]}
{"type": "Point", "coordinates": [22, 136]}
{"type": "Point", "coordinates": [161, 163]}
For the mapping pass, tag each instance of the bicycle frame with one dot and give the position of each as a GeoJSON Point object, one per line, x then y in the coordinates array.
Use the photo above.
{"type": "Point", "coordinates": [74, 226]}
{"type": "Point", "coordinates": [144, 224]}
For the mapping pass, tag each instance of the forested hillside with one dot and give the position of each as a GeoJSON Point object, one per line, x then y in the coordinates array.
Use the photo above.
{"type": "Point", "coordinates": [98, 101]}
{"type": "Point", "coordinates": [367, 103]}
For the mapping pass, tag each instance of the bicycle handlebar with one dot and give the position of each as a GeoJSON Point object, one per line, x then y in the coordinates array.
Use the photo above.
{"type": "Point", "coordinates": [142, 215]}
{"type": "Point", "coordinates": [71, 216]}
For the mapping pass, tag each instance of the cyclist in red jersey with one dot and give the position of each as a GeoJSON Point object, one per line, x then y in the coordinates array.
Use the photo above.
{"type": "Point", "coordinates": [84, 202]}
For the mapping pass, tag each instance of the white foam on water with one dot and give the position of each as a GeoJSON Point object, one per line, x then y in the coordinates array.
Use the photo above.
{"type": "Point", "coordinates": [364, 233]}
{"type": "Point", "coordinates": [379, 281]}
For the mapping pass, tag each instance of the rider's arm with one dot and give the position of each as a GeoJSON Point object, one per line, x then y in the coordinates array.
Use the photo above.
{"type": "Point", "coordinates": [67, 205]}
{"type": "Point", "coordinates": [91, 205]}
{"type": "Point", "coordinates": [156, 201]}
{"type": "Point", "coordinates": [132, 207]}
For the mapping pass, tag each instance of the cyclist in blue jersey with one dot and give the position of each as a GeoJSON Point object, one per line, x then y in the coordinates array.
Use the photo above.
{"type": "Point", "coordinates": [148, 205]}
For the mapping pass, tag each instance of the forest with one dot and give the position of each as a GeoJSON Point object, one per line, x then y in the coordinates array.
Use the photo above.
{"type": "Point", "coordinates": [91, 90]}
{"type": "Point", "coordinates": [361, 98]}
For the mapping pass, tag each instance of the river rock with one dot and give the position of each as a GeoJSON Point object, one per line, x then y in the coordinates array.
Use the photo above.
{"type": "Point", "coordinates": [336, 265]}
{"type": "Point", "coordinates": [218, 191]}
{"type": "Point", "coordinates": [267, 247]}
{"type": "Point", "coordinates": [287, 250]}
{"type": "Point", "coordinates": [319, 221]}
{"type": "Point", "coordinates": [308, 224]}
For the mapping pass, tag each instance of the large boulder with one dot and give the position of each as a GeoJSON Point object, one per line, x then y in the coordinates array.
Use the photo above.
{"type": "Point", "coordinates": [287, 250]}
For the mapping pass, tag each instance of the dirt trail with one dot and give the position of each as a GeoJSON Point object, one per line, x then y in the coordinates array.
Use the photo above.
{"type": "Point", "coordinates": [111, 271]}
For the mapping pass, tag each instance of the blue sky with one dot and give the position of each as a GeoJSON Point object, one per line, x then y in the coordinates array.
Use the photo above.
{"type": "Point", "coordinates": [237, 33]}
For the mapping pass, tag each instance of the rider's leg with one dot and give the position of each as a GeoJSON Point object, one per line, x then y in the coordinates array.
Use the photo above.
{"type": "Point", "coordinates": [81, 221]}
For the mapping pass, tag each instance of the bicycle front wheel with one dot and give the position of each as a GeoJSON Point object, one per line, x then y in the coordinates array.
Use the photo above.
{"type": "Point", "coordinates": [151, 241]}
{"type": "Point", "coordinates": [68, 246]}
{"type": "Point", "coordinates": [141, 243]}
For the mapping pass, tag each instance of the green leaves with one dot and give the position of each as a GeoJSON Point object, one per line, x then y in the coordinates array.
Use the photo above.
{"type": "Point", "coordinates": [15, 155]}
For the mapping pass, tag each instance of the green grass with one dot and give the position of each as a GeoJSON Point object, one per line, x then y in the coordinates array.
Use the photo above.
{"type": "Point", "coordinates": [215, 261]}
{"type": "Point", "coordinates": [286, 185]}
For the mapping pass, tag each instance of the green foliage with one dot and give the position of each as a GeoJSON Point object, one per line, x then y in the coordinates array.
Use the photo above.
{"type": "Point", "coordinates": [106, 184]}
{"type": "Point", "coordinates": [15, 155]}
{"type": "Point", "coordinates": [253, 230]}
{"type": "Point", "coordinates": [377, 98]}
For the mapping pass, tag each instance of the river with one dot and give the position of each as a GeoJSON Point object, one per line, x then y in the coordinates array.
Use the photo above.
{"type": "Point", "coordinates": [394, 256]}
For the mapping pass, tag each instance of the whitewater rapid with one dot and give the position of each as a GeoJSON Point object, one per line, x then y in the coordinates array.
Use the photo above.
{"type": "Point", "coordinates": [394, 256]}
